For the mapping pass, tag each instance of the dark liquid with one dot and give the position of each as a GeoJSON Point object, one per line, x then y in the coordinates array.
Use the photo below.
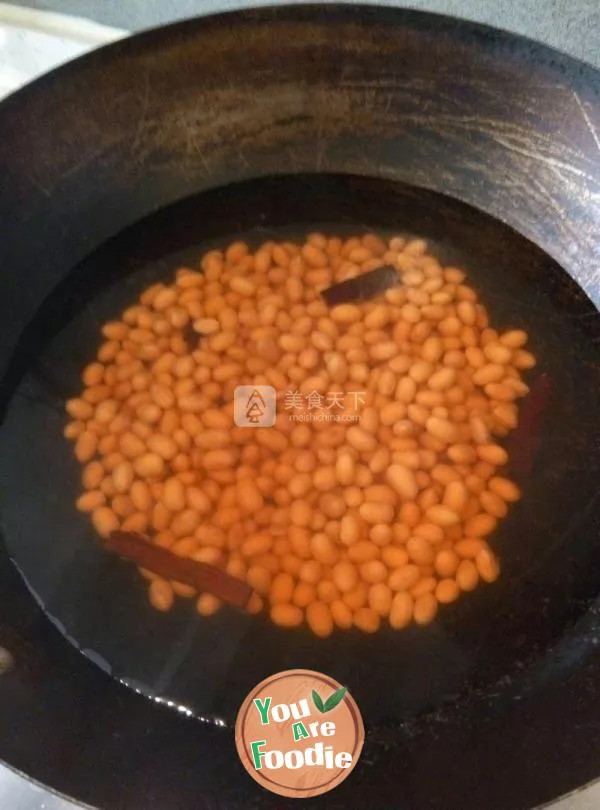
{"type": "Point", "coordinates": [490, 642]}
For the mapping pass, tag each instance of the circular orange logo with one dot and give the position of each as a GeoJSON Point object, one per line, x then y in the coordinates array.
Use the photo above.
{"type": "Point", "coordinates": [299, 733]}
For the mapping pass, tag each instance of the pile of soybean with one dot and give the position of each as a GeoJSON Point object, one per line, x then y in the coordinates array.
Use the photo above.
{"type": "Point", "coordinates": [343, 524]}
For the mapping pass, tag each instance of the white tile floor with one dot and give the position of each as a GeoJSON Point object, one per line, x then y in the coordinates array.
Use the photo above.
{"type": "Point", "coordinates": [18, 794]}
{"type": "Point", "coordinates": [32, 42]}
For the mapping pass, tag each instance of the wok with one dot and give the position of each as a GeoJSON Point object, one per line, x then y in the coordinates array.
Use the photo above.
{"type": "Point", "coordinates": [120, 164]}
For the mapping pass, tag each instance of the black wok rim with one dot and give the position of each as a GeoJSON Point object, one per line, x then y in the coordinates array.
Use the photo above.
{"type": "Point", "coordinates": [565, 713]}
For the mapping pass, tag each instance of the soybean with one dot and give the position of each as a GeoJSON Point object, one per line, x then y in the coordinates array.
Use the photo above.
{"type": "Point", "coordinates": [334, 523]}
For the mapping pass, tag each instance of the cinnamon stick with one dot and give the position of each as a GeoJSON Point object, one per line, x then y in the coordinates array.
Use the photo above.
{"type": "Point", "coordinates": [164, 563]}
{"type": "Point", "coordinates": [362, 287]}
{"type": "Point", "coordinates": [525, 439]}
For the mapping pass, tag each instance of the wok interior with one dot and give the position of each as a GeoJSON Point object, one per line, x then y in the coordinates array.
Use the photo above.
{"type": "Point", "coordinates": [547, 545]}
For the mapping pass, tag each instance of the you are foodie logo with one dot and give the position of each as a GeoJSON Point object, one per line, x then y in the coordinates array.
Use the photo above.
{"type": "Point", "coordinates": [299, 733]}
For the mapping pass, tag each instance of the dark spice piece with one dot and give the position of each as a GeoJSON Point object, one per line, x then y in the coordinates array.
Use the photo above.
{"type": "Point", "coordinates": [361, 288]}
{"type": "Point", "coordinates": [524, 441]}
{"type": "Point", "coordinates": [201, 576]}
